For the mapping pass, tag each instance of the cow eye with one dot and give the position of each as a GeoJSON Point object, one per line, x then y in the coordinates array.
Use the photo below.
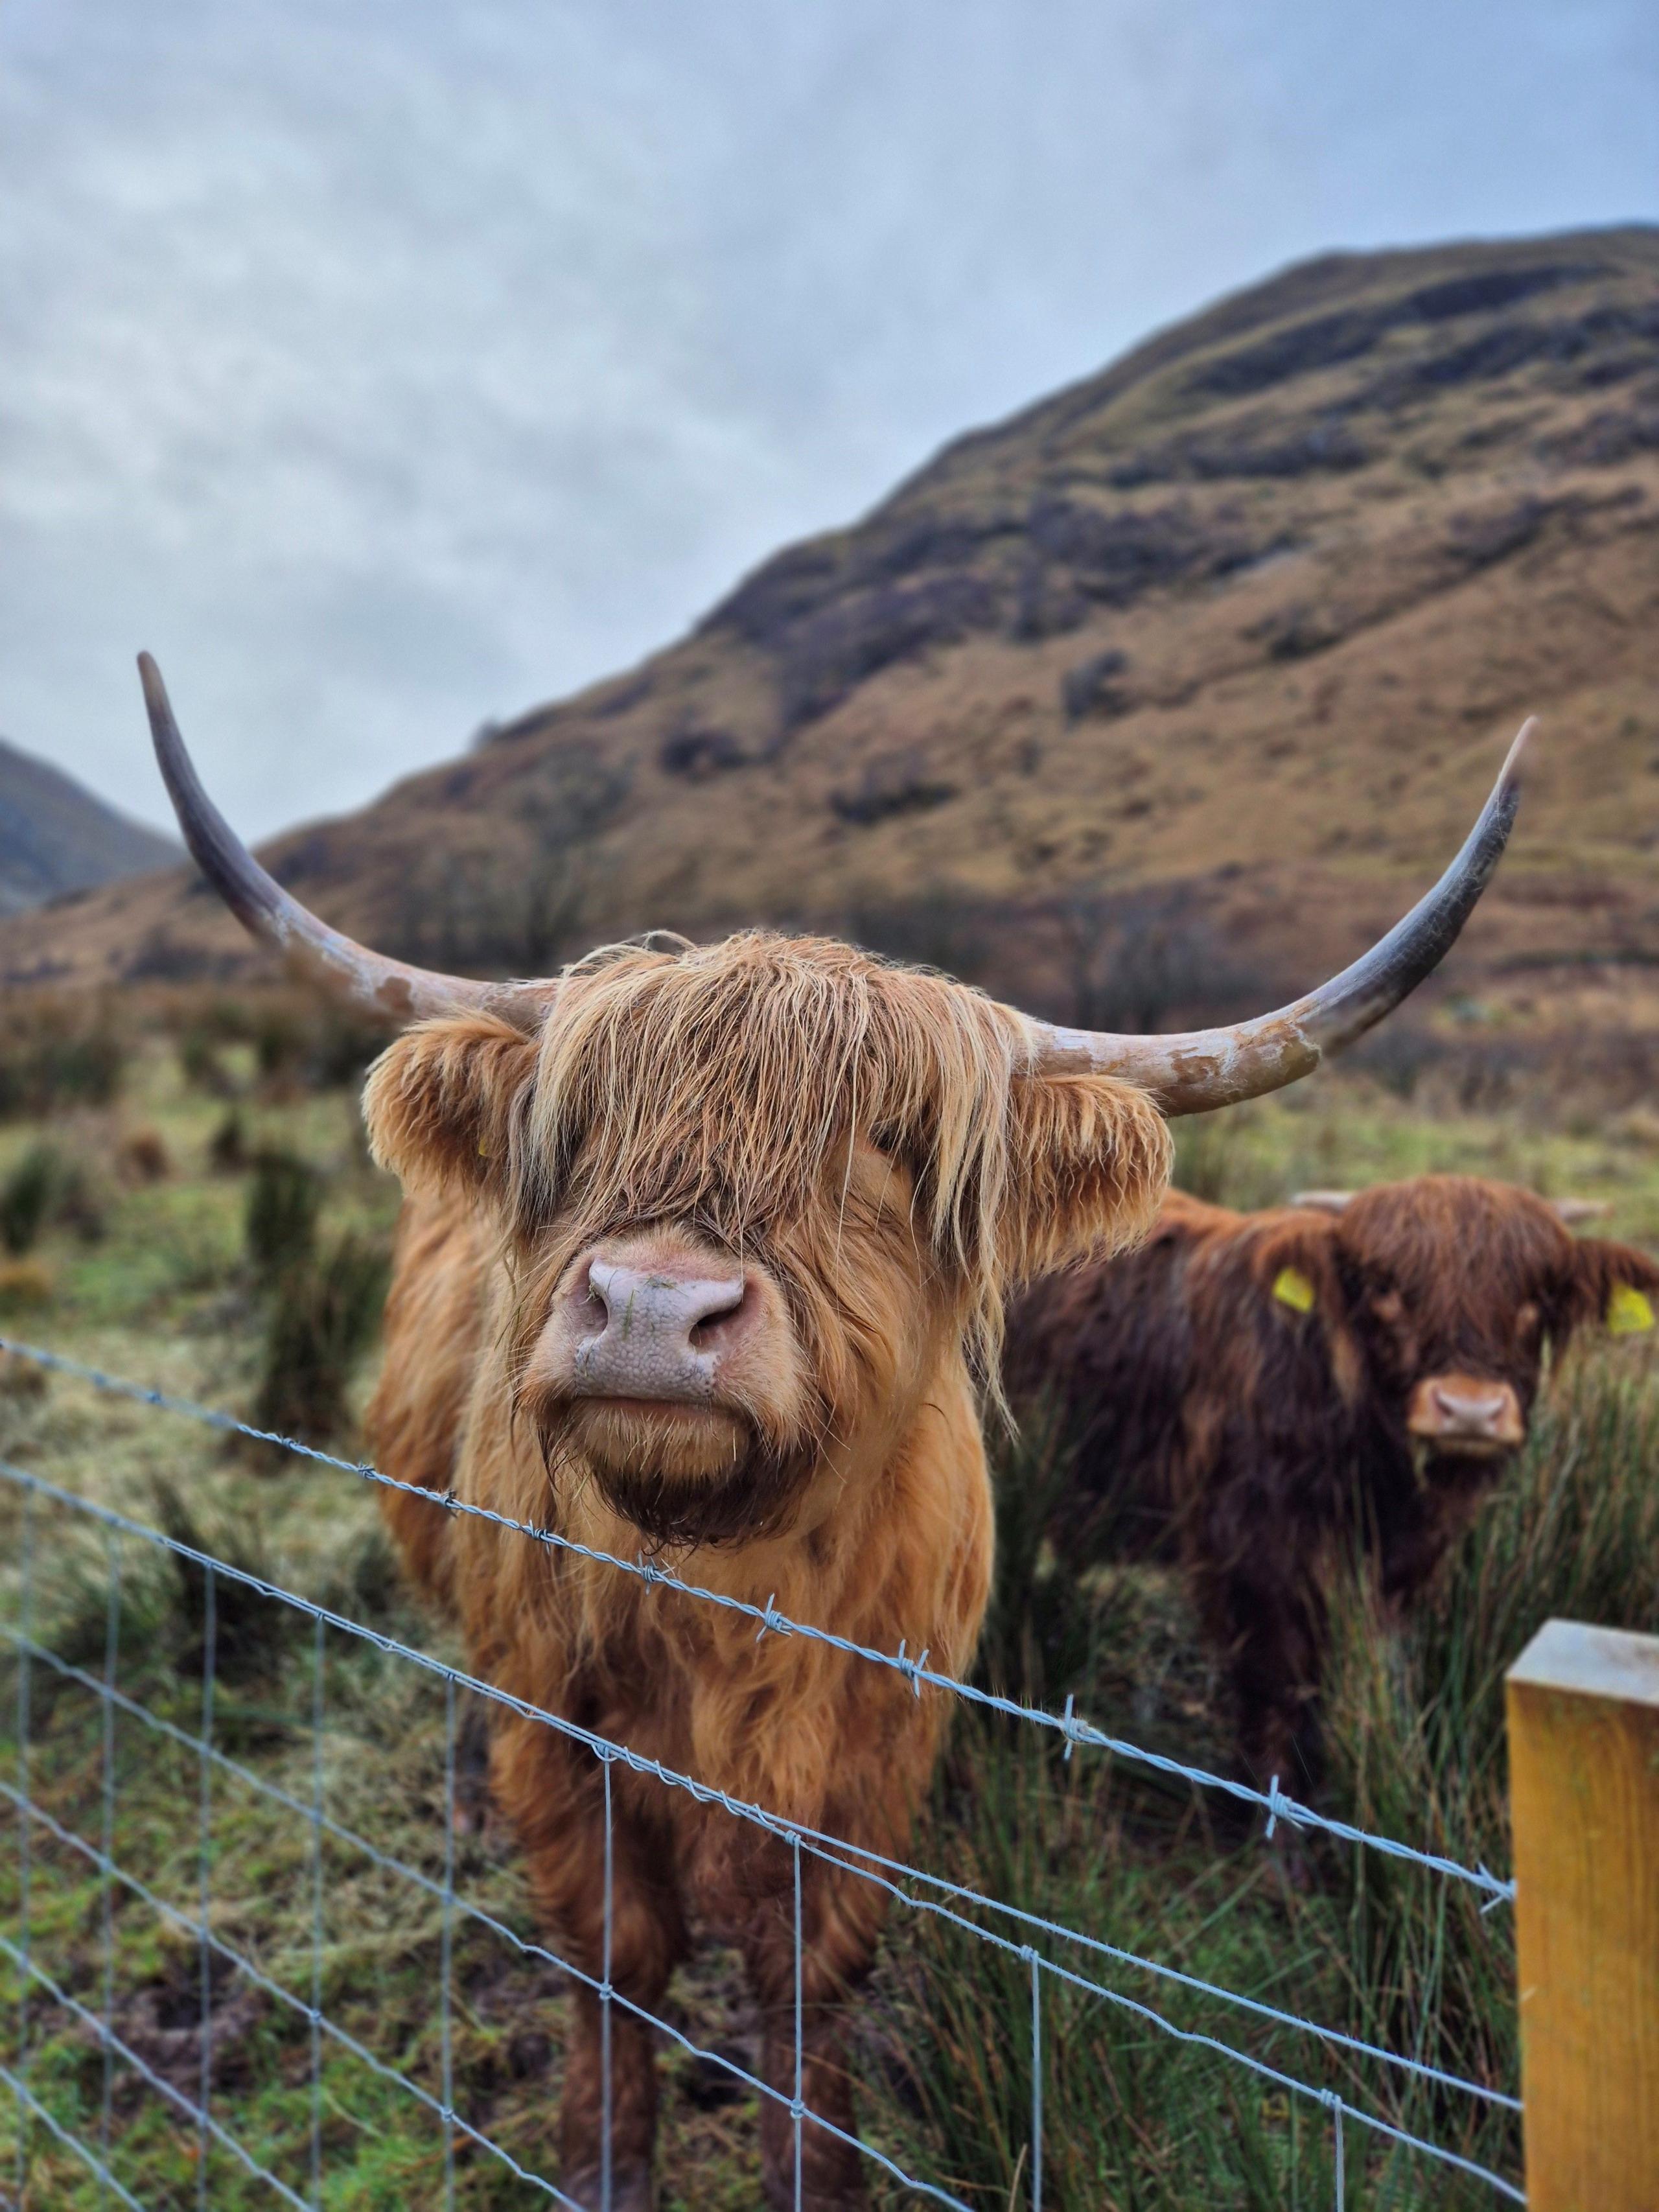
{"type": "Point", "coordinates": [1390, 1307]}
{"type": "Point", "coordinates": [1526, 1321]}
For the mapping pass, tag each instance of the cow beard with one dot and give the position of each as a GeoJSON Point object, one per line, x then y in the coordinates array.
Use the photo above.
{"type": "Point", "coordinates": [680, 1479]}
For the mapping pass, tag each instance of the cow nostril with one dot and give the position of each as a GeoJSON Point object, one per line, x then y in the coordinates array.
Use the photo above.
{"type": "Point", "coordinates": [719, 1316]}
{"type": "Point", "coordinates": [1471, 1408]}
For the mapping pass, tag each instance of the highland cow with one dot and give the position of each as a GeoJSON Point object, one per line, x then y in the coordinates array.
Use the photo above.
{"type": "Point", "coordinates": [704, 1253]}
{"type": "Point", "coordinates": [1263, 1396]}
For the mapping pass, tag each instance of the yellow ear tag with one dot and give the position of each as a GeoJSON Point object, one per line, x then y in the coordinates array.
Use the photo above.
{"type": "Point", "coordinates": [1291, 1288]}
{"type": "Point", "coordinates": [1630, 1311]}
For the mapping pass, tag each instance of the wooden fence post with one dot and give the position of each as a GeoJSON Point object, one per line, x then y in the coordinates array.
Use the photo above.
{"type": "Point", "coordinates": [1583, 1729]}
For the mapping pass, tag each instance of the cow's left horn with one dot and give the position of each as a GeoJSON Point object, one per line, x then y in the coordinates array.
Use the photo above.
{"type": "Point", "coordinates": [314, 951]}
{"type": "Point", "coordinates": [1196, 1069]}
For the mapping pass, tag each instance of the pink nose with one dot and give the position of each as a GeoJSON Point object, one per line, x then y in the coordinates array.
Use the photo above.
{"type": "Point", "coordinates": [1461, 1409]}
{"type": "Point", "coordinates": [654, 1331]}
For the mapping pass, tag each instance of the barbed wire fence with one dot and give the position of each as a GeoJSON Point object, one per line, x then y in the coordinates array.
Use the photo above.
{"type": "Point", "coordinates": [1051, 1953]}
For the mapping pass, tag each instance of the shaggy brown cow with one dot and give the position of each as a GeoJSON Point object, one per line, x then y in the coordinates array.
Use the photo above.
{"type": "Point", "coordinates": [702, 1252]}
{"type": "Point", "coordinates": [1261, 1394]}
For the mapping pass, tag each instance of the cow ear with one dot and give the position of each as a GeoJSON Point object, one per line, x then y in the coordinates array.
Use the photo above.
{"type": "Point", "coordinates": [1089, 1166]}
{"type": "Point", "coordinates": [1613, 1287]}
{"type": "Point", "coordinates": [1292, 1263]}
{"type": "Point", "coordinates": [443, 1103]}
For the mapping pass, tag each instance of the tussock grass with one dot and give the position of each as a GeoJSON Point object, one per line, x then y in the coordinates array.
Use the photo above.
{"type": "Point", "coordinates": [324, 1313]}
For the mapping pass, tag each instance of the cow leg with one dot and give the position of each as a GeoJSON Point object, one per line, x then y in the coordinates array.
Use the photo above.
{"type": "Point", "coordinates": [1274, 1634]}
{"type": "Point", "coordinates": [841, 1920]}
{"type": "Point", "coordinates": [555, 1791]}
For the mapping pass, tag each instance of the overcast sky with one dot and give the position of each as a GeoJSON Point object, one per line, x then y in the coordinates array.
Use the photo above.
{"type": "Point", "coordinates": [388, 365]}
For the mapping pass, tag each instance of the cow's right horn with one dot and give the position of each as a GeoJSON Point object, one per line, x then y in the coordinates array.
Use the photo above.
{"type": "Point", "coordinates": [320, 955]}
{"type": "Point", "coordinates": [1194, 1071]}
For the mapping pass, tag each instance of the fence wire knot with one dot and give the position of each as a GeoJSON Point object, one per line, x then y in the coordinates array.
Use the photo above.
{"type": "Point", "coordinates": [1277, 1804]}
{"type": "Point", "coordinates": [772, 1619]}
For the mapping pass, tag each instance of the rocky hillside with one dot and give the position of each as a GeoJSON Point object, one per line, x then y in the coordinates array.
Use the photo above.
{"type": "Point", "coordinates": [1241, 625]}
{"type": "Point", "coordinates": [55, 837]}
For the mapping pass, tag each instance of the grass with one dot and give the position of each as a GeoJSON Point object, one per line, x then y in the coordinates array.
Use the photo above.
{"type": "Point", "coordinates": [170, 1293]}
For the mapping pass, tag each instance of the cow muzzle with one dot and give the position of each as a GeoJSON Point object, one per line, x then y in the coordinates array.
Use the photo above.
{"type": "Point", "coordinates": [672, 1372]}
{"type": "Point", "coordinates": [657, 1329]}
{"type": "Point", "coordinates": [1466, 1414]}
{"type": "Point", "coordinates": [656, 1332]}
{"type": "Point", "coordinates": [659, 1319]}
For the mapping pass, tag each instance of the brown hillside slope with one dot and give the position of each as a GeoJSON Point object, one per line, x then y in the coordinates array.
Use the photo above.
{"type": "Point", "coordinates": [1255, 608]}
{"type": "Point", "coordinates": [56, 835]}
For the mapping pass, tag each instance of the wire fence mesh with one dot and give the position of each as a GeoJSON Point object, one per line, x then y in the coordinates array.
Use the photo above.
{"type": "Point", "coordinates": [116, 1894]}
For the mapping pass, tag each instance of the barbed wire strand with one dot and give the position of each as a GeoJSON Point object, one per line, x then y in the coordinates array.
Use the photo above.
{"type": "Point", "coordinates": [821, 1844]}
{"type": "Point", "coordinates": [829, 1848]}
{"type": "Point", "coordinates": [1077, 1732]}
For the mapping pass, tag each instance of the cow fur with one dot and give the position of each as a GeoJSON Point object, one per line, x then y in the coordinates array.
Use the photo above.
{"type": "Point", "coordinates": [873, 1138]}
{"type": "Point", "coordinates": [1260, 1445]}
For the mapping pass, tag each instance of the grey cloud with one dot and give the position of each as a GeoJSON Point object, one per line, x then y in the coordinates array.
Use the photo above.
{"type": "Point", "coordinates": [388, 368]}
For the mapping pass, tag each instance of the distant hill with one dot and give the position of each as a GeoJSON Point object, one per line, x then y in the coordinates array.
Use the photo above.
{"type": "Point", "coordinates": [1244, 621]}
{"type": "Point", "coordinates": [55, 837]}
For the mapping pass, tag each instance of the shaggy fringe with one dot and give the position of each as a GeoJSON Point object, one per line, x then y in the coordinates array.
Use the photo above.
{"type": "Point", "coordinates": [720, 1085]}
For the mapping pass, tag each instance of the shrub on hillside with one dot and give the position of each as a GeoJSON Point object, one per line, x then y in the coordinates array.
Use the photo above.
{"type": "Point", "coordinates": [227, 1146]}
{"type": "Point", "coordinates": [323, 1311]}
{"type": "Point", "coordinates": [25, 1198]}
{"type": "Point", "coordinates": [280, 1217]}
{"type": "Point", "coordinates": [143, 1157]}
{"type": "Point", "coordinates": [47, 1187]}
{"type": "Point", "coordinates": [201, 1065]}
{"type": "Point", "coordinates": [58, 1053]}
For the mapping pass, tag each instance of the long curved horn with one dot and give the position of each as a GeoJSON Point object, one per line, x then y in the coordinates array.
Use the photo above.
{"type": "Point", "coordinates": [314, 951]}
{"type": "Point", "coordinates": [1196, 1069]}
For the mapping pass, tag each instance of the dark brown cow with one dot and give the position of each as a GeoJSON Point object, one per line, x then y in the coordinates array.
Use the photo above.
{"type": "Point", "coordinates": [705, 1251]}
{"type": "Point", "coordinates": [1258, 1394]}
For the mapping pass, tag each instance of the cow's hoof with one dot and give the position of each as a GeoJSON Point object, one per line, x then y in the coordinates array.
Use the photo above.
{"type": "Point", "coordinates": [630, 2191]}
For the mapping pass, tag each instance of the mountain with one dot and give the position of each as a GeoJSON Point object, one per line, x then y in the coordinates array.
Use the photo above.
{"type": "Point", "coordinates": [1239, 626]}
{"type": "Point", "coordinates": [55, 837]}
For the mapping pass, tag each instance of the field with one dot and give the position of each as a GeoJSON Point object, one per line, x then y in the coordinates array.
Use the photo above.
{"type": "Point", "coordinates": [189, 1204]}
